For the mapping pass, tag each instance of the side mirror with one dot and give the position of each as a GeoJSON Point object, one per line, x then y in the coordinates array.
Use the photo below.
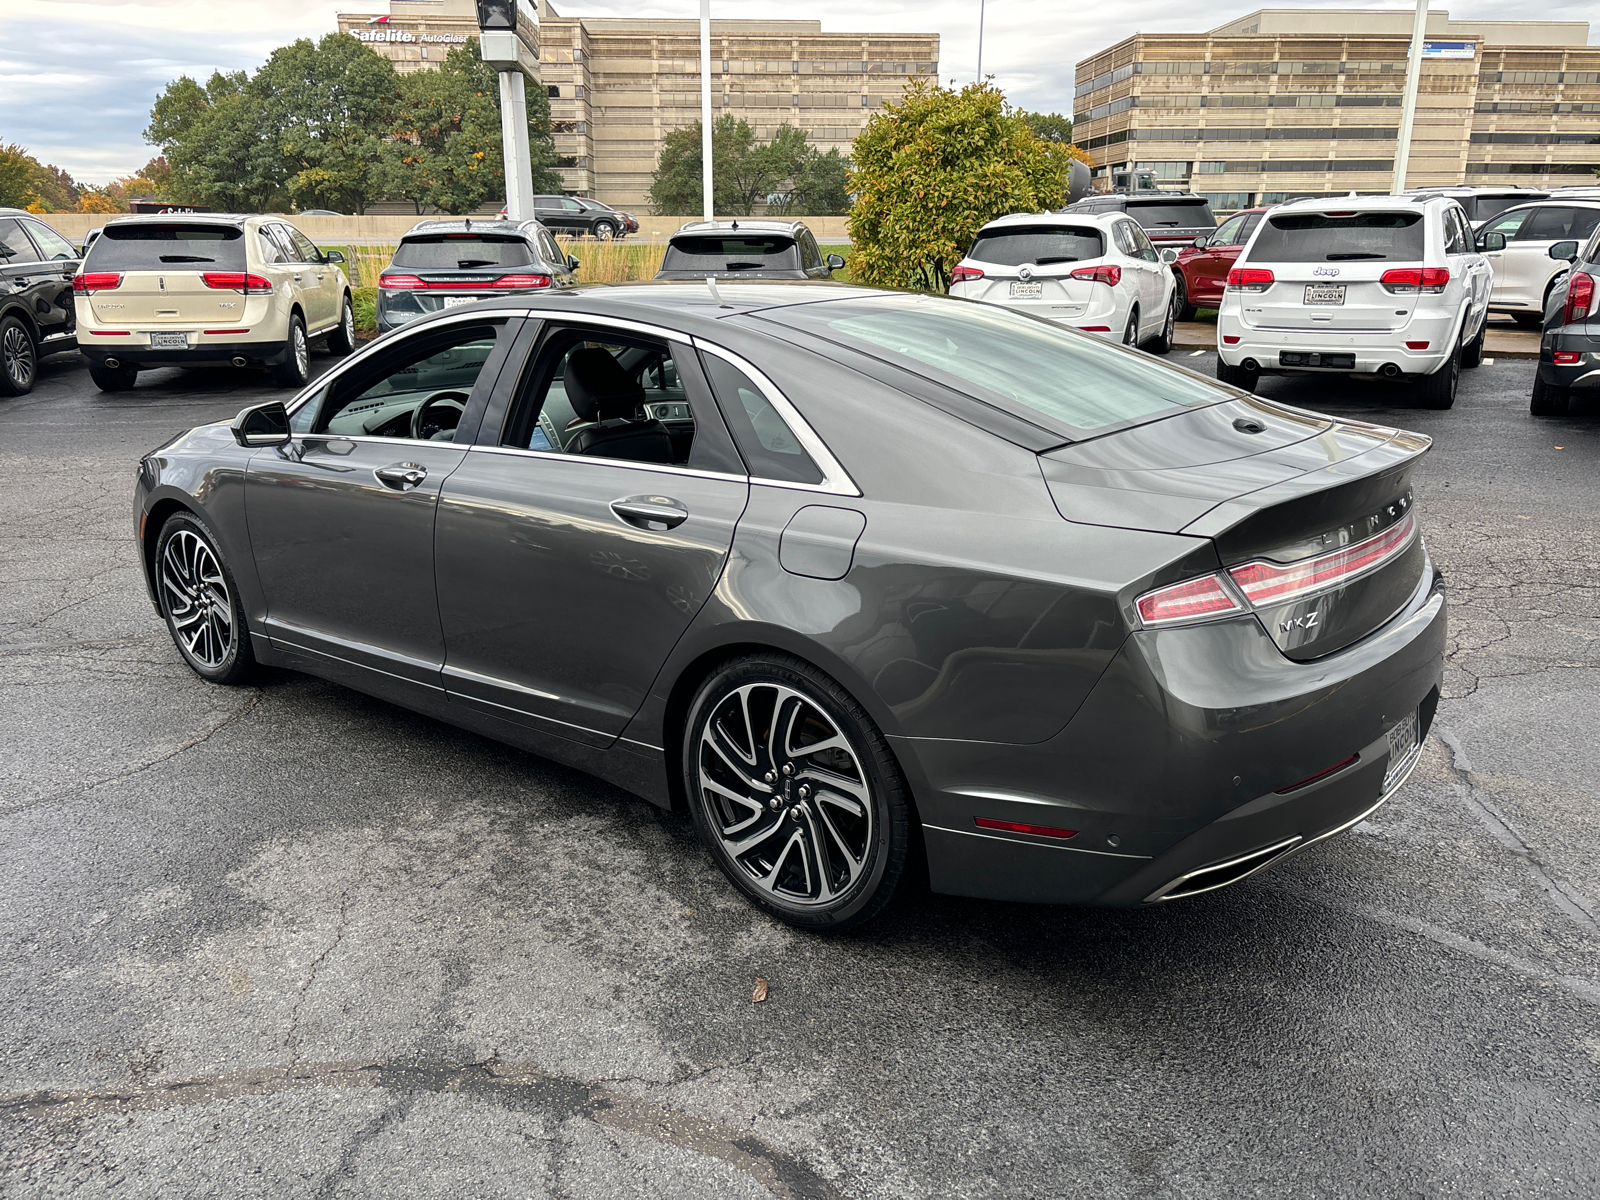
{"type": "Point", "coordinates": [1565, 251]}
{"type": "Point", "coordinates": [572, 263]}
{"type": "Point", "coordinates": [262, 425]}
{"type": "Point", "coordinates": [1492, 242]}
{"type": "Point", "coordinates": [1169, 255]}
{"type": "Point", "coordinates": [1200, 243]}
{"type": "Point", "coordinates": [334, 256]}
{"type": "Point", "coordinates": [835, 262]}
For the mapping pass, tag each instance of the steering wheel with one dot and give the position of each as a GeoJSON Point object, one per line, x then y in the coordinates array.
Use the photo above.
{"type": "Point", "coordinates": [424, 425]}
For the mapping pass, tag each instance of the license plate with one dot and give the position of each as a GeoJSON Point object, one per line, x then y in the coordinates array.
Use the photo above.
{"type": "Point", "coordinates": [1027, 291]}
{"type": "Point", "coordinates": [1403, 750]}
{"type": "Point", "coordinates": [1324, 293]}
{"type": "Point", "coordinates": [452, 301]}
{"type": "Point", "coordinates": [169, 341]}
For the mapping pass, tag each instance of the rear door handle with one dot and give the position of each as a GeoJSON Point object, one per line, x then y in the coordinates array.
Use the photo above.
{"type": "Point", "coordinates": [402, 476]}
{"type": "Point", "coordinates": [648, 511]}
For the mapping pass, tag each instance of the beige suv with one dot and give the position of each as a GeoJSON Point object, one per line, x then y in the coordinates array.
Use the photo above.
{"type": "Point", "coordinates": [203, 289]}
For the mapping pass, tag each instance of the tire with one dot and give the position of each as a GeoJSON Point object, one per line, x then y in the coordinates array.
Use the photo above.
{"type": "Point", "coordinates": [19, 358]}
{"type": "Point", "coordinates": [200, 602]}
{"type": "Point", "coordinates": [762, 822]}
{"type": "Point", "coordinates": [1186, 311]}
{"type": "Point", "coordinates": [604, 231]}
{"type": "Point", "coordinates": [1529, 320]}
{"type": "Point", "coordinates": [113, 379]}
{"type": "Point", "coordinates": [343, 338]}
{"type": "Point", "coordinates": [1130, 333]}
{"type": "Point", "coordinates": [295, 371]}
{"type": "Point", "coordinates": [1237, 376]}
{"type": "Point", "coordinates": [1548, 400]}
{"type": "Point", "coordinates": [1438, 390]}
{"type": "Point", "coordinates": [1472, 352]}
{"type": "Point", "coordinates": [1162, 342]}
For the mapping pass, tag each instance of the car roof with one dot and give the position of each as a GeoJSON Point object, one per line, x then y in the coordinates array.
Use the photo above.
{"type": "Point", "coordinates": [755, 225]}
{"type": "Point", "coordinates": [1554, 202]}
{"type": "Point", "coordinates": [187, 218]}
{"type": "Point", "coordinates": [466, 225]}
{"type": "Point", "coordinates": [1510, 189]}
{"type": "Point", "coordinates": [1383, 203]}
{"type": "Point", "coordinates": [1067, 217]}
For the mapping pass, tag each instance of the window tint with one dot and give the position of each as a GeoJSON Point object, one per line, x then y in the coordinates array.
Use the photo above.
{"type": "Point", "coordinates": [287, 253]}
{"type": "Point", "coordinates": [1055, 377]}
{"type": "Point", "coordinates": [731, 253]}
{"type": "Point", "coordinates": [271, 252]}
{"type": "Point", "coordinates": [420, 395]}
{"type": "Point", "coordinates": [14, 244]}
{"type": "Point", "coordinates": [571, 206]}
{"type": "Point", "coordinates": [549, 248]}
{"type": "Point", "coordinates": [460, 252]}
{"type": "Point", "coordinates": [811, 256]}
{"type": "Point", "coordinates": [1317, 237]}
{"type": "Point", "coordinates": [1143, 247]}
{"type": "Point", "coordinates": [1229, 233]}
{"type": "Point", "coordinates": [1481, 208]}
{"type": "Point", "coordinates": [1166, 214]}
{"type": "Point", "coordinates": [1557, 224]}
{"type": "Point", "coordinates": [153, 247]}
{"type": "Point", "coordinates": [304, 247]}
{"type": "Point", "coordinates": [1508, 224]}
{"type": "Point", "coordinates": [52, 245]}
{"type": "Point", "coordinates": [767, 444]}
{"type": "Point", "coordinates": [1455, 237]}
{"type": "Point", "coordinates": [1038, 244]}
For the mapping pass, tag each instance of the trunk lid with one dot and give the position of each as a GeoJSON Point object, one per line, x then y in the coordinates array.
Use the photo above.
{"type": "Point", "coordinates": [163, 265]}
{"type": "Point", "coordinates": [1271, 487]}
{"type": "Point", "coordinates": [1030, 264]}
{"type": "Point", "coordinates": [1048, 286]}
{"type": "Point", "coordinates": [180, 299]}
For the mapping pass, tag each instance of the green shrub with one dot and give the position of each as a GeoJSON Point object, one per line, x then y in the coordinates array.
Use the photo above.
{"type": "Point", "coordinates": [365, 301]}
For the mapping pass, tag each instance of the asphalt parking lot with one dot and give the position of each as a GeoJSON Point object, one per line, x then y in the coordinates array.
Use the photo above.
{"type": "Point", "coordinates": [290, 941]}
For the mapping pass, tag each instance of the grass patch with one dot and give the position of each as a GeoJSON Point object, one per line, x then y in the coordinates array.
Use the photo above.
{"type": "Point", "coordinates": [365, 301]}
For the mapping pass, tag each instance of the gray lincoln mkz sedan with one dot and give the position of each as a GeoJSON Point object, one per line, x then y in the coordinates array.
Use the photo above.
{"type": "Point", "coordinates": [844, 573]}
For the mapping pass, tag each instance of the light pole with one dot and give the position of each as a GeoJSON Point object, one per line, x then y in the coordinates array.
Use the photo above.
{"type": "Point", "coordinates": [707, 209]}
{"type": "Point", "coordinates": [1408, 114]}
{"type": "Point", "coordinates": [981, 4]}
{"type": "Point", "coordinates": [502, 47]}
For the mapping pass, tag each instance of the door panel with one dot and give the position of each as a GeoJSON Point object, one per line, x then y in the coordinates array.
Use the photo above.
{"type": "Point", "coordinates": [54, 306]}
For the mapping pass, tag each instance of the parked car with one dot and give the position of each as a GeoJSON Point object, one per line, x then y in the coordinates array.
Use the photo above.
{"type": "Point", "coordinates": [37, 317]}
{"type": "Point", "coordinates": [577, 216]}
{"type": "Point", "coordinates": [752, 248]}
{"type": "Point", "coordinates": [319, 212]}
{"type": "Point", "coordinates": [1097, 273]}
{"type": "Point", "coordinates": [1569, 349]}
{"type": "Point", "coordinates": [1172, 219]}
{"type": "Point", "coordinates": [440, 264]}
{"type": "Point", "coordinates": [209, 289]}
{"type": "Point", "coordinates": [1369, 285]}
{"type": "Point", "coordinates": [1201, 268]}
{"type": "Point", "coordinates": [1482, 203]}
{"type": "Point", "coordinates": [1524, 272]}
{"type": "Point", "coordinates": [837, 570]}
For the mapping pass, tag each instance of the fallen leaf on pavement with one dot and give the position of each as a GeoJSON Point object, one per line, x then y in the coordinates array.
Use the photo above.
{"type": "Point", "coordinates": [760, 994]}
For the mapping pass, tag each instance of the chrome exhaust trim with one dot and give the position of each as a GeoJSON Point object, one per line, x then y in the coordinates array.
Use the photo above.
{"type": "Point", "coordinates": [240, 361]}
{"type": "Point", "coordinates": [1219, 875]}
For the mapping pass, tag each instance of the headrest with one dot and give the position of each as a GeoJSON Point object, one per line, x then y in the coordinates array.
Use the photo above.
{"type": "Point", "coordinates": [598, 388]}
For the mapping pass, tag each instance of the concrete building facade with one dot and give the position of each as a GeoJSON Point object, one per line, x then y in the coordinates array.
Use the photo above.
{"type": "Point", "coordinates": [1286, 102]}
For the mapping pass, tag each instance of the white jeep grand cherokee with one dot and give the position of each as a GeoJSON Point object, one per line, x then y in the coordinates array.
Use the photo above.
{"type": "Point", "coordinates": [206, 289]}
{"type": "Point", "coordinates": [1371, 285]}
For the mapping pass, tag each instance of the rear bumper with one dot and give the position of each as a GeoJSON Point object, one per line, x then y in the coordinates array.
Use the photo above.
{"type": "Point", "coordinates": [206, 354]}
{"type": "Point", "coordinates": [1578, 339]}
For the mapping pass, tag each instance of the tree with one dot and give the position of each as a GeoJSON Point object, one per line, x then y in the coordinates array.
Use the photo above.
{"type": "Point", "coordinates": [931, 170]}
{"type": "Point", "coordinates": [91, 200]}
{"type": "Point", "coordinates": [821, 188]}
{"type": "Point", "coordinates": [17, 169]}
{"type": "Point", "coordinates": [1049, 127]}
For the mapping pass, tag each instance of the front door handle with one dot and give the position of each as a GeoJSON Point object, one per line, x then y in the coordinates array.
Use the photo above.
{"type": "Point", "coordinates": [649, 511]}
{"type": "Point", "coordinates": [402, 477]}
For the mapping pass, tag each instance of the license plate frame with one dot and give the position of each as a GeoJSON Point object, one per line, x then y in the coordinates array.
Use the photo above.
{"type": "Point", "coordinates": [1324, 293]}
{"type": "Point", "coordinates": [455, 301]}
{"type": "Point", "coordinates": [1404, 747]}
{"type": "Point", "coordinates": [1027, 291]}
{"type": "Point", "coordinates": [169, 341]}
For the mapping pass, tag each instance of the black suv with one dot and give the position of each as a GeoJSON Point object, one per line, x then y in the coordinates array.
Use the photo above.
{"type": "Point", "coordinates": [37, 313]}
{"type": "Point", "coordinates": [1569, 348]}
{"type": "Point", "coordinates": [439, 264]}
{"type": "Point", "coordinates": [1167, 218]}
{"type": "Point", "coordinates": [748, 249]}
{"type": "Point", "coordinates": [579, 216]}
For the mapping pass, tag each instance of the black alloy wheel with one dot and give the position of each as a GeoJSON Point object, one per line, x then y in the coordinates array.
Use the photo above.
{"type": "Point", "coordinates": [1438, 390]}
{"type": "Point", "coordinates": [343, 339]}
{"type": "Point", "coordinates": [604, 231]}
{"type": "Point", "coordinates": [1548, 400]}
{"type": "Point", "coordinates": [1130, 335]}
{"type": "Point", "coordinates": [1186, 311]}
{"type": "Point", "coordinates": [19, 358]}
{"type": "Point", "coordinates": [295, 370]}
{"type": "Point", "coordinates": [201, 602]}
{"type": "Point", "coordinates": [795, 792]}
{"type": "Point", "coordinates": [113, 379]}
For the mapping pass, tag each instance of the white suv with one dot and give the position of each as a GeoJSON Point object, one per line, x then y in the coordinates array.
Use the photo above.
{"type": "Point", "coordinates": [1524, 272]}
{"type": "Point", "coordinates": [1096, 272]}
{"type": "Point", "coordinates": [204, 289]}
{"type": "Point", "coordinates": [1370, 285]}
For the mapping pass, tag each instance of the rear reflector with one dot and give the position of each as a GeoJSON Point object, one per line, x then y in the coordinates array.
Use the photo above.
{"type": "Point", "coordinates": [238, 281]}
{"type": "Point", "coordinates": [98, 281]}
{"type": "Point", "coordinates": [963, 274]}
{"type": "Point", "coordinates": [1322, 774]}
{"type": "Point", "coordinates": [1204, 597]}
{"type": "Point", "coordinates": [1416, 345]}
{"type": "Point", "coordinates": [1107, 274]}
{"type": "Point", "coordinates": [1272, 583]}
{"type": "Point", "coordinates": [1409, 280]}
{"type": "Point", "coordinates": [215, 332]}
{"type": "Point", "coordinates": [108, 333]}
{"type": "Point", "coordinates": [1250, 279]}
{"type": "Point", "coordinates": [1095, 328]}
{"type": "Point", "coordinates": [1049, 831]}
{"type": "Point", "coordinates": [1229, 339]}
{"type": "Point", "coordinates": [1566, 358]}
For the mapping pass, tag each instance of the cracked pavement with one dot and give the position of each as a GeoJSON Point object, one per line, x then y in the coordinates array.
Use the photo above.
{"type": "Point", "coordinates": [291, 941]}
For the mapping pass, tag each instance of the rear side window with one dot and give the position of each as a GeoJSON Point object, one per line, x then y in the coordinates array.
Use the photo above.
{"type": "Point", "coordinates": [733, 253]}
{"type": "Point", "coordinates": [14, 244]}
{"type": "Point", "coordinates": [1482, 208]}
{"type": "Point", "coordinates": [461, 252]}
{"type": "Point", "coordinates": [1164, 214]}
{"type": "Point", "coordinates": [1558, 224]}
{"type": "Point", "coordinates": [766, 443]}
{"type": "Point", "coordinates": [51, 244]}
{"type": "Point", "coordinates": [1038, 244]}
{"type": "Point", "coordinates": [176, 246]}
{"type": "Point", "coordinates": [1320, 237]}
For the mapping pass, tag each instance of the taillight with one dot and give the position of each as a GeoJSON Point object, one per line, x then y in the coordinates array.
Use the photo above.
{"type": "Point", "coordinates": [1272, 583]}
{"type": "Point", "coordinates": [1580, 298]}
{"type": "Point", "coordinates": [99, 281]}
{"type": "Point", "coordinates": [1250, 279]}
{"type": "Point", "coordinates": [1404, 281]}
{"type": "Point", "coordinates": [238, 281]}
{"type": "Point", "coordinates": [964, 274]}
{"type": "Point", "coordinates": [402, 283]}
{"type": "Point", "coordinates": [1186, 601]}
{"type": "Point", "coordinates": [1107, 274]}
{"type": "Point", "coordinates": [522, 281]}
{"type": "Point", "coordinates": [1566, 358]}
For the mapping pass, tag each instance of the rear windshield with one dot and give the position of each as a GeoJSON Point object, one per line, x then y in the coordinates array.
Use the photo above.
{"type": "Point", "coordinates": [1057, 378]}
{"type": "Point", "coordinates": [1318, 237]}
{"type": "Point", "coordinates": [736, 253]}
{"type": "Point", "coordinates": [1157, 215]}
{"type": "Point", "coordinates": [152, 247]}
{"type": "Point", "coordinates": [461, 252]}
{"type": "Point", "coordinates": [1484, 208]}
{"type": "Point", "coordinates": [1038, 244]}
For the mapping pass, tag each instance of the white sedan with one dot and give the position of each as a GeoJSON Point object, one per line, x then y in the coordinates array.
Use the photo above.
{"type": "Point", "coordinates": [1096, 272]}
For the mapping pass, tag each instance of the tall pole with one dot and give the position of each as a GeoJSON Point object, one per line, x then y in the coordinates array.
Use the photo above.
{"type": "Point", "coordinates": [1408, 114]}
{"type": "Point", "coordinates": [705, 109]}
{"type": "Point", "coordinates": [514, 137]}
{"type": "Point", "coordinates": [981, 4]}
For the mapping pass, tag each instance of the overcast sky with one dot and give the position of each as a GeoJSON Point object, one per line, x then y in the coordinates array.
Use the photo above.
{"type": "Point", "coordinates": [77, 77]}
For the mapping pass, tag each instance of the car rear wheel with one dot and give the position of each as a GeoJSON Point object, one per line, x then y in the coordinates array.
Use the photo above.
{"type": "Point", "coordinates": [343, 339]}
{"type": "Point", "coordinates": [1548, 400]}
{"type": "Point", "coordinates": [19, 358]}
{"type": "Point", "coordinates": [1130, 334]}
{"type": "Point", "coordinates": [604, 230]}
{"type": "Point", "coordinates": [200, 601]}
{"type": "Point", "coordinates": [295, 370]}
{"type": "Point", "coordinates": [1186, 311]}
{"type": "Point", "coordinates": [1238, 377]}
{"type": "Point", "coordinates": [1162, 342]}
{"type": "Point", "coordinates": [1438, 390]}
{"type": "Point", "coordinates": [795, 792]}
{"type": "Point", "coordinates": [113, 379]}
{"type": "Point", "coordinates": [1472, 353]}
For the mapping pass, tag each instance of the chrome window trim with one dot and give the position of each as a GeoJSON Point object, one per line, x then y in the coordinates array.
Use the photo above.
{"type": "Point", "coordinates": [627, 326]}
{"type": "Point", "coordinates": [375, 439]}
{"type": "Point", "coordinates": [558, 456]}
{"type": "Point", "coordinates": [835, 479]}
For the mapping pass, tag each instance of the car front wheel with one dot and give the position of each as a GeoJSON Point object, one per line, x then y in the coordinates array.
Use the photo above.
{"type": "Point", "coordinates": [795, 792]}
{"type": "Point", "coordinates": [200, 601]}
{"type": "Point", "coordinates": [604, 230]}
{"type": "Point", "coordinates": [19, 358]}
